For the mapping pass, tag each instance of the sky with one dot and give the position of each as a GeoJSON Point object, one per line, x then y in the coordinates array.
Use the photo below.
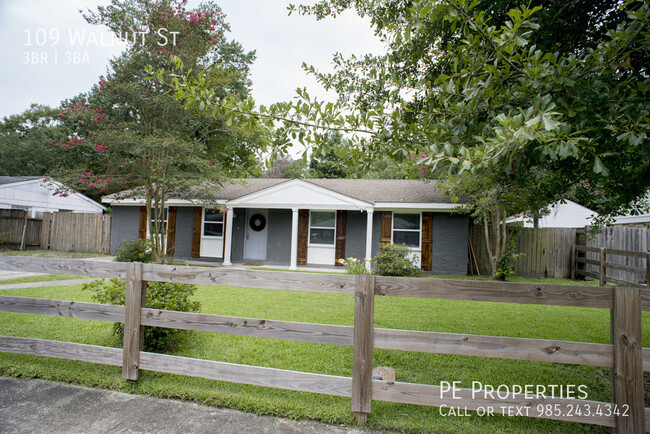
{"type": "Point", "coordinates": [50, 53]}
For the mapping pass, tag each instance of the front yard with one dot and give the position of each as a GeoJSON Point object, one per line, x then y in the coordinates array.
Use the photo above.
{"type": "Point", "coordinates": [516, 320]}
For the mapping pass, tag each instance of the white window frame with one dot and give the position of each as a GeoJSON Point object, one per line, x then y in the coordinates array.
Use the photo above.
{"type": "Point", "coordinates": [419, 230]}
{"type": "Point", "coordinates": [203, 222]}
{"type": "Point", "coordinates": [165, 221]}
{"type": "Point", "coordinates": [333, 228]}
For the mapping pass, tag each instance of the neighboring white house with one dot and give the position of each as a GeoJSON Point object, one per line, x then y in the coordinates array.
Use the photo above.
{"type": "Point", "coordinates": [562, 215]}
{"type": "Point", "coordinates": [33, 194]}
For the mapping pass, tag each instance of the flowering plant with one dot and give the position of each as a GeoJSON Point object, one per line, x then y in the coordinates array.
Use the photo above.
{"type": "Point", "coordinates": [354, 266]}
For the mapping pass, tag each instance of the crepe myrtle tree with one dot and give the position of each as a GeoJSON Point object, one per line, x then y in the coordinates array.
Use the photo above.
{"type": "Point", "coordinates": [476, 90]}
{"type": "Point", "coordinates": [128, 134]}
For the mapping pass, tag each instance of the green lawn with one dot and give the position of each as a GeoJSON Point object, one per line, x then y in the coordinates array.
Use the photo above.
{"type": "Point", "coordinates": [41, 278]}
{"type": "Point", "coordinates": [579, 324]}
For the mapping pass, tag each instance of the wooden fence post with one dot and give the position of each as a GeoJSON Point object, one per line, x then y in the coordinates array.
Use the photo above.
{"type": "Point", "coordinates": [574, 262]}
{"type": "Point", "coordinates": [647, 270]}
{"type": "Point", "coordinates": [603, 270]}
{"type": "Point", "coordinates": [628, 387]}
{"type": "Point", "coordinates": [133, 330]}
{"type": "Point", "coordinates": [364, 306]}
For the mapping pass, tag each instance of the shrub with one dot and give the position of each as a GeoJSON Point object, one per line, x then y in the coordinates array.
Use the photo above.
{"type": "Point", "coordinates": [395, 260]}
{"type": "Point", "coordinates": [354, 266]}
{"type": "Point", "coordinates": [160, 295]}
{"type": "Point", "coordinates": [4, 239]}
{"type": "Point", "coordinates": [508, 260]}
{"type": "Point", "coordinates": [134, 251]}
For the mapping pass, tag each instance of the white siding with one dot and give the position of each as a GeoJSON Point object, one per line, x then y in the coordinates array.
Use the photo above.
{"type": "Point", "coordinates": [38, 196]}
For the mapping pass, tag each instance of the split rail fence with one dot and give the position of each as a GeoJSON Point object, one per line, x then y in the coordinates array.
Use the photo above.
{"type": "Point", "coordinates": [625, 356]}
{"type": "Point", "coordinates": [584, 256]}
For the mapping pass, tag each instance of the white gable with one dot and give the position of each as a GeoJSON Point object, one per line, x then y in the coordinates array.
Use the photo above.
{"type": "Point", "coordinates": [562, 215]}
{"type": "Point", "coordinates": [38, 196]}
{"type": "Point", "coordinates": [298, 194]}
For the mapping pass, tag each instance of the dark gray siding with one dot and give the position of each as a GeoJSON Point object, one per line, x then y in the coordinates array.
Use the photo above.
{"type": "Point", "coordinates": [450, 244]}
{"type": "Point", "coordinates": [278, 248]}
{"type": "Point", "coordinates": [125, 225]}
{"type": "Point", "coordinates": [184, 222]}
{"type": "Point", "coordinates": [355, 235]}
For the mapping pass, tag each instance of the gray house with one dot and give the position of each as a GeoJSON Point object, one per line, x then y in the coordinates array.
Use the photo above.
{"type": "Point", "coordinates": [312, 222]}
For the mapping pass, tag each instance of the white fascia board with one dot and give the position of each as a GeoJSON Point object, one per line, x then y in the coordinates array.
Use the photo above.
{"type": "Point", "coordinates": [437, 207]}
{"type": "Point", "coordinates": [643, 218]}
{"type": "Point", "coordinates": [298, 194]}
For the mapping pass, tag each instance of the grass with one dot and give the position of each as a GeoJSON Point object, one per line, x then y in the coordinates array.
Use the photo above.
{"type": "Point", "coordinates": [41, 278]}
{"type": "Point", "coordinates": [517, 320]}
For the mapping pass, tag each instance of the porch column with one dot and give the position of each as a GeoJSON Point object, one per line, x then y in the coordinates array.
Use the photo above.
{"type": "Point", "coordinates": [228, 237]}
{"type": "Point", "coordinates": [294, 238]}
{"type": "Point", "coordinates": [370, 212]}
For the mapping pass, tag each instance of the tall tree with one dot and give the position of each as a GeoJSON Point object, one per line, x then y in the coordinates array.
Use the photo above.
{"type": "Point", "coordinates": [522, 97]}
{"type": "Point", "coordinates": [129, 133]}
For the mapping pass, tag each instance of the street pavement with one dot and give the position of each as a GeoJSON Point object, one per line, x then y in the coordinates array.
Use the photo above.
{"type": "Point", "coordinates": [37, 406]}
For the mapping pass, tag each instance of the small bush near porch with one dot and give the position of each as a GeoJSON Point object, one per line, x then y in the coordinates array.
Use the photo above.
{"type": "Point", "coordinates": [517, 320]}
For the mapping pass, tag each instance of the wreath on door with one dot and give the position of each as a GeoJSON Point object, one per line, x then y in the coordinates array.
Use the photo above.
{"type": "Point", "coordinates": [257, 222]}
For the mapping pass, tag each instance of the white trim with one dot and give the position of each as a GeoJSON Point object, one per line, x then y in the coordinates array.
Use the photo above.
{"type": "Point", "coordinates": [228, 237]}
{"type": "Point", "coordinates": [286, 199]}
{"type": "Point", "coordinates": [369, 223]}
{"type": "Point", "coordinates": [418, 230]}
{"type": "Point", "coordinates": [333, 228]}
{"type": "Point", "coordinates": [211, 245]}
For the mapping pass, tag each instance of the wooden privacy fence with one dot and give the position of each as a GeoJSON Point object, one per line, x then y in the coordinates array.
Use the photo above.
{"type": "Point", "coordinates": [76, 232]}
{"type": "Point", "coordinates": [21, 230]}
{"type": "Point", "coordinates": [601, 267]}
{"type": "Point", "coordinates": [547, 252]}
{"type": "Point", "coordinates": [625, 356]}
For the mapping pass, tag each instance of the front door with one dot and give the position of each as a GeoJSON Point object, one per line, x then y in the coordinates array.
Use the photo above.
{"type": "Point", "coordinates": [256, 234]}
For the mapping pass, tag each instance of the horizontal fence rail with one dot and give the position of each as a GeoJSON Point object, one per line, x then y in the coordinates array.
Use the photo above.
{"type": "Point", "coordinates": [625, 356]}
{"type": "Point", "coordinates": [604, 264]}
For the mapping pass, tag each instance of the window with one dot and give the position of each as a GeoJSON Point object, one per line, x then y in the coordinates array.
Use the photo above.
{"type": "Point", "coordinates": [153, 221]}
{"type": "Point", "coordinates": [322, 225]}
{"type": "Point", "coordinates": [406, 229]}
{"type": "Point", "coordinates": [212, 223]}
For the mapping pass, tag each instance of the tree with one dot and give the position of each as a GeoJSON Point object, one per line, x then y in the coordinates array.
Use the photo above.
{"type": "Point", "coordinates": [521, 97]}
{"type": "Point", "coordinates": [23, 145]}
{"type": "Point", "coordinates": [129, 133]}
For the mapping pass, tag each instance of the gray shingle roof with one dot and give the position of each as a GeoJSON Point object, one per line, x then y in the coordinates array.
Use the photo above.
{"type": "Point", "coordinates": [367, 190]}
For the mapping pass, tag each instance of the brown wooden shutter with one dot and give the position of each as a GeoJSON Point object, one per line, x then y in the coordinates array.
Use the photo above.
{"type": "Point", "coordinates": [142, 230]}
{"type": "Point", "coordinates": [171, 231]}
{"type": "Point", "coordinates": [386, 226]}
{"type": "Point", "coordinates": [427, 241]}
{"type": "Point", "coordinates": [303, 235]}
{"type": "Point", "coordinates": [339, 251]}
{"type": "Point", "coordinates": [196, 232]}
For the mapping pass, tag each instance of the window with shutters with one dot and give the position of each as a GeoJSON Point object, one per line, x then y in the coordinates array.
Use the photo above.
{"type": "Point", "coordinates": [322, 227]}
{"type": "Point", "coordinates": [407, 229]}
{"type": "Point", "coordinates": [212, 223]}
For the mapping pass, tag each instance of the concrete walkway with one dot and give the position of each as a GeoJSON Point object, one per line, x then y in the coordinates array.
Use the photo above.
{"type": "Point", "coordinates": [36, 406]}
